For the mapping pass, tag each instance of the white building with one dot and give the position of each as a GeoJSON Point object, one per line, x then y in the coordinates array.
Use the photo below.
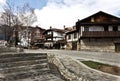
{"type": "Point", "coordinates": [54, 38]}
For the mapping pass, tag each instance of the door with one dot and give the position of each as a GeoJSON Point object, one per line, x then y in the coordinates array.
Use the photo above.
{"type": "Point", "coordinates": [117, 47]}
{"type": "Point", "coordinates": [74, 45]}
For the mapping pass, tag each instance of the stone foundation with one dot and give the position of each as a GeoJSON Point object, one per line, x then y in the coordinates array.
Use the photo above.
{"type": "Point", "coordinates": [101, 44]}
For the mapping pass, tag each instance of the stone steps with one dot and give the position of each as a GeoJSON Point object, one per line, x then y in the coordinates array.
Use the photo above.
{"type": "Point", "coordinates": [22, 63]}
{"type": "Point", "coordinates": [20, 66]}
{"type": "Point", "coordinates": [23, 68]}
{"type": "Point", "coordinates": [9, 55]}
{"type": "Point", "coordinates": [26, 58]}
{"type": "Point", "coordinates": [24, 74]}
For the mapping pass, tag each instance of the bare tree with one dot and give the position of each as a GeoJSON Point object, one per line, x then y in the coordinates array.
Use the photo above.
{"type": "Point", "coordinates": [27, 18]}
{"type": "Point", "coordinates": [6, 25]}
{"type": "Point", "coordinates": [8, 20]}
{"type": "Point", "coordinates": [14, 16]}
{"type": "Point", "coordinates": [27, 15]}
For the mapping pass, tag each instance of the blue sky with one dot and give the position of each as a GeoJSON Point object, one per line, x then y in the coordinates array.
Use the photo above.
{"type": "Point", "coordinates": [57, 13]}
{"type": "Point", "coordinates": [37, 4]}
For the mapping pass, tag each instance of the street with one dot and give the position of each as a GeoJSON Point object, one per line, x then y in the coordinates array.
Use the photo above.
{"type": "Point", "coordinates": [103, 57]}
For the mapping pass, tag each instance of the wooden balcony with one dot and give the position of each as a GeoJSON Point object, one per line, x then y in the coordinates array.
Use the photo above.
{"type": "Point", "coordinates": [61, 41]}
{"type": "Point", "coordinates": [101, 34]}
{"type": "Point", "coordinates": [49, 36]}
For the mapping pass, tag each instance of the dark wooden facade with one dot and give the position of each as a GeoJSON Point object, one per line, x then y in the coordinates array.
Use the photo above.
{"type": "Point", "coordinates": [101, 34]}
{"type": "Point", "coordinates": [99, 25]}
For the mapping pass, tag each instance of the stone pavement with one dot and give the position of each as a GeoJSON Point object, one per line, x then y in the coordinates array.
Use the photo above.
{"type": "Point", "coordinates": [46, 77]}
{"type": "Point", "coordinates": [71, 61]}
{"type": "Point", "coordinates": [87, 73]}
{"type": "Point", "coordinates": [74, 70]}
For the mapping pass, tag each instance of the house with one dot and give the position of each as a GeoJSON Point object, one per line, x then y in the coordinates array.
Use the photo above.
{"type": "Point", "coordinates": [99, 32]}
{"type": "Point", "coordinates": [5, 32]}
{"type": "Point", "coordinates": [31, 36]}
{"type": "Point", "coordinates": [24, 36]}
{"type": "Point", "coordinates": [54, 38]}
{"type": "Point", "coordinates": [37, 37]}
{"type": "Point", "coordinates": [2, 34]}
{"type": "Point", "coordinates": [72, 39]}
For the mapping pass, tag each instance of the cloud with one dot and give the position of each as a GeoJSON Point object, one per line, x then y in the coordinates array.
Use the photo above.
{"type": "Point", "coordinates": [2, 3]}
{"type": "Point", "coordinates": [66, 12]}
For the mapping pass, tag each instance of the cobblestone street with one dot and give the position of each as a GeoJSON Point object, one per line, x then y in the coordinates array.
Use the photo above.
{"type": "Point", "coordinates": [104, 57]}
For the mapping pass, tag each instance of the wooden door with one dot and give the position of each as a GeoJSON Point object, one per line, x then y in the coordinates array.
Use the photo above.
{"type": "Point", "coordinates": [117, 47]}
{"type": "Point", "coordinates": [74, 45]}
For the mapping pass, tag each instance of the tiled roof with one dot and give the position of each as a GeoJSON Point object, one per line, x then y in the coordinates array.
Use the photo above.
{"type": "Point", "coordinates": [56, 30]}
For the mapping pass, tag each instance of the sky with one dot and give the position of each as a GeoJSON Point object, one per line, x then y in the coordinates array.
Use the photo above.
{"type": "Point", "coordinates": [57, 13]}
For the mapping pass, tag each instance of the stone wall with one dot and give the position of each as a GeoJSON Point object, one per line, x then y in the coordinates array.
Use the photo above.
{"type": "Point", "coordinates": [101, 44]}
{"type": "Point", "coordinates": [69, 46]}
{"type": "Point", "coordinates": [78, 46]}
{"type": "Point", "coordinates": [65, 72]}
{"type": "Point", "coordinates": [10, 49]}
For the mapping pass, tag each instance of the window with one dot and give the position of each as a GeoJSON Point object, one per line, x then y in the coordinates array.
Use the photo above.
{"type": "Point", "coordinates": [37, 33]}
{"type": "Point", "coordinates": [115, 28]}
{"type": "Point", "coordinates": [92, 19]}
{"type": "Point", "coordinates": [49, 32]}
{"type": "Point", "coordinates": [69, 36]}
{"type": "Point", "coordinates": [105, 28]}
{"type": "Point", "coordinates": [75, 35]}
{"type": "Point", "coordinates": [49, 39]}
{"type": "Point", "coordinates": [86, 28]}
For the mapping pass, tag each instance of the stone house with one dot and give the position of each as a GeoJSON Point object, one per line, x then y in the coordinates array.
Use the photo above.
{"type": "Point", "coordinates": [72, 39]}
{"type": "Point", "coordinates": [99, 32]}
{"type": "Point", "coordinates": [54, 38]}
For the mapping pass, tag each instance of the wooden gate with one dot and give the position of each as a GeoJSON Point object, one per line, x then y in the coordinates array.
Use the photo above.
{"type": "Point", "coordinates": [117, 47]}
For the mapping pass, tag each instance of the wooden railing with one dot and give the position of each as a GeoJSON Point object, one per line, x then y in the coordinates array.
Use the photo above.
{"type": "Point", "coordinates": [101, 34]}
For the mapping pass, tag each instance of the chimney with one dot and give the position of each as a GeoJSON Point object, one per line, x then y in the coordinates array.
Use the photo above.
{"type": "Point", "coordinates": [50, 27]}
{"type": "Point", "coordinates": [36, 26]}
{"type": "Point", "coordinates": [64, 27]}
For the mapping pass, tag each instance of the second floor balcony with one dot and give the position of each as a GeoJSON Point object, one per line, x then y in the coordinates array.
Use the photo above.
{"type": "Point", "coordinates": [100, 34]}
